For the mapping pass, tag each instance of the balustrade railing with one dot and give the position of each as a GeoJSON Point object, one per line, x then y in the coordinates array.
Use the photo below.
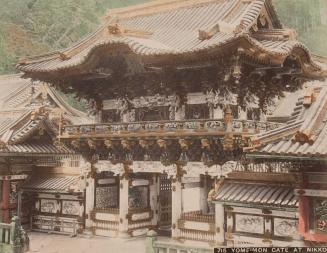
{"type": "Point", "coordinates": [106, 210]}
{"type": "Point", "coordinates": [197, 226]}
{"type": "Point", "coordinates": [13, 238]}
{"type": "Point", "coordinates": [166, 245]}
{"type": "Point", "coordinates": [198, 216]}
{"type": "Point", "coordinates": [5, 233]}
{"type": "Point", "coordinates": [106, 225]}
{"type": "Point", "coordinates": [195, 235]}
{"type": "Point", "coordinates": [211, 125]}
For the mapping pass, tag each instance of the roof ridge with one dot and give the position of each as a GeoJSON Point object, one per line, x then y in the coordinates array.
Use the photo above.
{"type": "Point", "coordinates": [153, 7]}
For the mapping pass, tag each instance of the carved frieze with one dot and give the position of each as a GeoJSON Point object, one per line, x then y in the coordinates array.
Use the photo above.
{"type": "Point", "coordinates": [154, 167]}
{"type": "Point", "coordinates": [249, 224]}
{"type": "Point", "coordinates": [107, 166]}
{"type": "Point", "coordinates": [285, 227]}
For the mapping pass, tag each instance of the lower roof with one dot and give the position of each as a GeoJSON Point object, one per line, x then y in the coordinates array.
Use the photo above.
{"type": "Point", "coordinates": [52, 183]}
{"type": "Point", "coordinates": [35, 149]}
{"type": "Point", "coordinates": [257, 194]}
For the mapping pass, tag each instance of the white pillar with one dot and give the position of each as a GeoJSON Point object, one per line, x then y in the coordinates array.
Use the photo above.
{"type": "Point", "coordinates": [204, 195]}
{"type": "Point", "coordinates": [219, 219]}
{"type": "Point", "coordinates": [123, 207]}
{"type": "Point", "coordinates": [176, 207]}
{"type": "Point", "coordinates": [89, 201]}
{"type": "Point", "coordinates": [218, 113]}
{"type": "Point", "coordinates": [154, 200]}
{"type": "Point", "coordinates": [243, 115]}
{"type": "Point", "coordinates": [180, 113]}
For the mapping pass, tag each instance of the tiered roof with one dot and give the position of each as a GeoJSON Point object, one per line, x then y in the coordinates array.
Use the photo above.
{"type": "Point", "coordinates": [25, 110]}
{"type": "Point", "coordinates": [185, 28]}
{"type": "Point", "coordinates": [305, 135]}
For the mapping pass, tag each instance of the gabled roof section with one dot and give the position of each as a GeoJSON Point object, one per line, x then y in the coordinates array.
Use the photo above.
{"type": "Point", "coordinates": [25, 109]}
{"type": "Point", "coordinates": [305, 135]}
{"type": "Point", "coordinates": [18, 95]}
{"type": "Point", "coordinates": [184, 27]}
{"type": "Point", "coordinates": [23, 127]}
{"type": "Point", "coordinates": [16, 134]}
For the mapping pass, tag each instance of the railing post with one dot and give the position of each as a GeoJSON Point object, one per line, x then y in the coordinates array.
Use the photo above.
{"type": "Point", "coordinates": [151, 237]}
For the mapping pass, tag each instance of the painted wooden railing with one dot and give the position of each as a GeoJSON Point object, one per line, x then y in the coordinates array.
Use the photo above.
{"type": "Point", "coordinates": [65, 226]}
{"type": "Point", "coordinates": [106, 219]}
{"type": "Point", "coordinates": [198, 216]}
{"type": "Point", "coordinates": [210, 127]}
{"type": "Point", "coordinates": [13, 238]}
{"type": "Point", "coordinates": [197, 226]}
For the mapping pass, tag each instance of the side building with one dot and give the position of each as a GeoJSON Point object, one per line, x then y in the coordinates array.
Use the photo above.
{"type": "Point", "coordinates": [298, 151]}
{"type": "Point", "coordinates": [41, 181]}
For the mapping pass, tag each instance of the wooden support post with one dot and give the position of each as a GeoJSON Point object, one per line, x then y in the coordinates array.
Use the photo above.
{"type": "Point", "coordinates": [303, 214]}
{"type": "Point", "coordinates": [5, 201]}
{"type": "Point", "coordinates": [123, 207]}
{"type": "Point", "coordinates": [176, 207]}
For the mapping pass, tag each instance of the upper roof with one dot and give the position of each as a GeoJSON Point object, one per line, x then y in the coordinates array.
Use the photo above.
{"type": "Point", "coordinates": [184, 27]}
{"type": "Point", "coordinates": [305, 135]}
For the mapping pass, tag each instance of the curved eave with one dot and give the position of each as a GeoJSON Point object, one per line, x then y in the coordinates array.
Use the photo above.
{"type": "Point", "coordinates": [154, 52]}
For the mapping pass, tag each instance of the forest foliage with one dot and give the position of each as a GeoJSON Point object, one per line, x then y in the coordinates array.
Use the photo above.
{"type": "Point", "coordinates": [33, 27]}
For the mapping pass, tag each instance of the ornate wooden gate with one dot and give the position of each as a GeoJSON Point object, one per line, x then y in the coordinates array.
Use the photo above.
{"type": "Point", "coordinates": [164, 202]}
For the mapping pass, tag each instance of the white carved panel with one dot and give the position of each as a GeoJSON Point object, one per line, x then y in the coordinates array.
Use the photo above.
{"type": "Point", "coordinates": [106, 181]}
{"type": "Point", "coordinates": [140, 182]}
{"type": "Point", "coordinates": [154, 167]}
{"type": "Point", "coordinates": [140, 216]}
{"type": "Point", "coordinates": [107, 166]}
{"type": "Point", "coordinates": [71, 207]}
{"type": "Point", "coordinates": [107, 217]}
{"type": "Point", "coordinates": [49, 206]}
{"type": "Point", "coordinates": [197, 225]}
{"type": "Point", "coordinates": [249, 224]}
{"type": "Point", "coordinates": [285, 227]}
